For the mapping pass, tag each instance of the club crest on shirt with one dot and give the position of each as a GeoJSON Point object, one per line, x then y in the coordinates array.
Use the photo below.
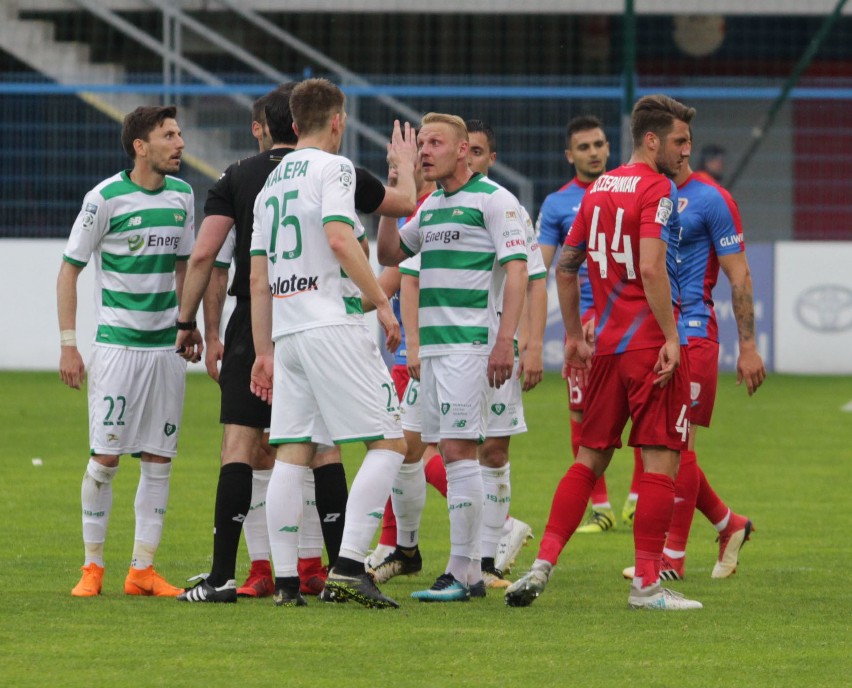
{"type": "Point", "coordinates": [694, 390]}
{"type": "Point", "coordinates": [682, 203]}
{"type": "Point", "coordinates": [664, 211]}
{"type": "Point", "coordinates": [345, 176]}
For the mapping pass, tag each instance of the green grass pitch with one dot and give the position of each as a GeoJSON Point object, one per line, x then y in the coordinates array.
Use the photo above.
{"type": "Point", "coordinates": [783, 457]}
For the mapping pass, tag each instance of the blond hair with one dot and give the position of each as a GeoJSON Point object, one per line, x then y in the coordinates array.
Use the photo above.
{"type": "Point", "coordinates": [455, 122]}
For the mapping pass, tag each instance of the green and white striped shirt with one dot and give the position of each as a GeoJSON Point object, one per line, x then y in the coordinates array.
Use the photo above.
{"type": "Point", "coordinates": [136, 237]}
{"type": "Point", "coordinates": [464, 238]}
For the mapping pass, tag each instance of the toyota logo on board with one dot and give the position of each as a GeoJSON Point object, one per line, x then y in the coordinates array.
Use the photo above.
{"type": "Point", "coordinates": [825, 308]}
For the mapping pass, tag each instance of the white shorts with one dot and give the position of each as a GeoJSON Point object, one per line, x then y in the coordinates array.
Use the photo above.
{"type": "Point", "coordinates": [454, 397]}
{"type": "Point", "coordinates": [410, 404]}
{"type": "Point", "coordinates": [331, 385]}
{"type": "Point", "coordinates": [135, 400]}
{"type": "Point", "coordinates": [506, 408]}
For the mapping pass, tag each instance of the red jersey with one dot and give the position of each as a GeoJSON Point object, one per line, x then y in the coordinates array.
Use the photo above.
{"type": "Point", "coordinates": [625, 205]}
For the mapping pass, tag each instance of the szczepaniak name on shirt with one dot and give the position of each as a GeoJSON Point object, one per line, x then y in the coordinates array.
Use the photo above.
{"type": "Point", "coordinates": [614, 184]}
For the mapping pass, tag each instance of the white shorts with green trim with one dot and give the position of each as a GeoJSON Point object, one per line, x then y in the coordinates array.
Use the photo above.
{"type": "Point", "coordinates": [135, 400]}
{"type": "Point", "coordinates": [506, 408]}
{"type": "Point", "coordinates": [454, 396]}
{"type": "Point", "coordinates": [410, 405]}
{"type": "Point", "coordinates": [331, 385]}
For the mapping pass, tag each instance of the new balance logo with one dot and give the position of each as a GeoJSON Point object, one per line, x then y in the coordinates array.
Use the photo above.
{"type": "Point", "coordinates": [239, 518]}
{"type": "Point", "coordinates": [331, 518]}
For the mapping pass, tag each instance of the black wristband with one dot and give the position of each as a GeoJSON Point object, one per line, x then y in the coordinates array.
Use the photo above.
{"type": "Point", "coordinates": [189, 325]}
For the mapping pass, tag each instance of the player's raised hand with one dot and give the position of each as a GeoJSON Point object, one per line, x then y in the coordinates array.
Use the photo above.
{"type": "Point", "coordinates": [402, 150]}
{"type": "Point", "coordinates": [389, 323]}
{"type": "Point", "coordinates": [72, 370]}
{"type": "Point", "coordinates": [261, 378]}
{"type": "Point", "coordinates": [750, 369]}
{"type": "Point", "coordinates": [667, 362]}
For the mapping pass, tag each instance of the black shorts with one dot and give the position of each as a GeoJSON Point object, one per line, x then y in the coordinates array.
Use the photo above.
{"type": "Point", "coordinates": [239, 405]}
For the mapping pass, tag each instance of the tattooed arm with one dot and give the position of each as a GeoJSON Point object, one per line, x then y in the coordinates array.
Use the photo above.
{"type": "Point", "coordinates": [578, 353]}
{"type": "Point", "coordinates": [750, 366]}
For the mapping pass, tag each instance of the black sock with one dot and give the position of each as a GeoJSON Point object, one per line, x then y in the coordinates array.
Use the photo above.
{"type": "Point", "coordinates": [487, 563]}
{"type": "Point", "coordinates": [348, 567]}
{"type": "Point", "coordinates": [233, 500]}
{"type": "Point", "coordinates": [331, 496]}
{"type": "Point", "coordinates": [290, 584]}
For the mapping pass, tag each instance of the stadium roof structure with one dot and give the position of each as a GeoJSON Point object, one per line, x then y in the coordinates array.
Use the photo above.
{"type": "Point", "coordinates": [662, 7]}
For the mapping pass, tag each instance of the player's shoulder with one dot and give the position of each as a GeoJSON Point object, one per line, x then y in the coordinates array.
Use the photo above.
{"type": "Point", "coordinates": [177, 185]}
{"type": "Point", "coordinates": [118, 184]}
{"type": "Point", "coordinates": [704, 186]}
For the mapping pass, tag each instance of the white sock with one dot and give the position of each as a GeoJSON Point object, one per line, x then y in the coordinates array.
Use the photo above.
{"type": "Point", "coordinates": [96, 500]}
{"type": "Point", "coordinates": [409, 498]}
{"type": "Point", "coordinates": [507, 525]}
{"type": "Point", "coordinates": [254, 527]}
{"type": "Point", "coordinates": [152, 496]}
{"type": "Point", "coordinates": [474, 569]}
{"type": "Point", "coordinates": [464, 502]}
{"type": "Point", "coordinates": [284, 516]}
{"type": "Point", "coordinates": [673, 553]}
{"type": "Point", "coordinates": [310, 535]}
{"type": "Point", "coordinates": [600, 506]}
{"type": "Point", "coordinates": [495, 508]}
{"type": "Point", "coordinates": [367, 499]}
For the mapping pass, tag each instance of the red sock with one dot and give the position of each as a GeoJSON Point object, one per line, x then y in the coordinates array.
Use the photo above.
{"type": "Point", "coordinates": [567, 510]}
{"type": "Point", "coordinates": [599, 494]}
{"type": "Point", "coordinates": [653, 516]}
{"type": "Point", "coordinates": [686, 492]}
{"type": "Point", "coordinates": [638, 470]}
{"type": "Point", "coordinates": [436, 474]}
{"type": "Point", "coordinates": [575, 436]}
{"type": "Point", "coordinates": [388, 536]}
{"type": "Point", "coordinates": [708, 502]}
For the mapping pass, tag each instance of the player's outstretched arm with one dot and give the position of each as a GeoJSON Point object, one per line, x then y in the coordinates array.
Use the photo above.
{"type": "Point", "coordinates": [401, 191]}
{"type": "Point", "coordinates": [750, 368]}
{"type": "Point", "coordinates": [388, 248]}
{"type": "Point", "coordinates": [261, 328]}
{"type": "Point", "coordinates": [72, 371]}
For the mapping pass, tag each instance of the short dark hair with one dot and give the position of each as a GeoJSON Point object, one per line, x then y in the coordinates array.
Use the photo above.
{"type": "Point", "coordinates": [581, 123]}
{"type": "Point", "coordinates": [477, 125]}
{"type": "Point", "coordinates": [313, 103]}
{"type": "Point", "coordinates": [258, 109]}
{"type": "Point", "coordinates": [279, 119]}
{"type": "Point", "coordinates": [657, 113]}
{"type": "Point", "coordinates": [141, 122]}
